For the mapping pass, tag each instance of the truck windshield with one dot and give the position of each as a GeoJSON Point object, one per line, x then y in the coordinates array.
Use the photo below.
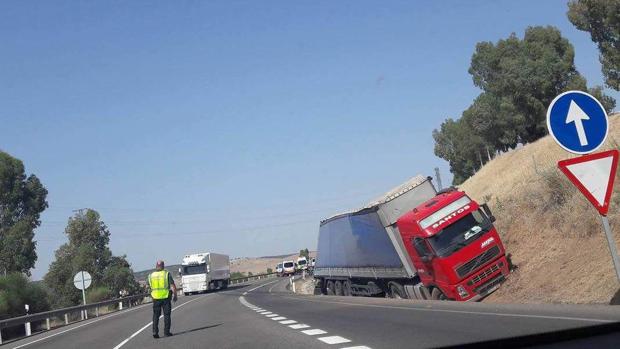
{"type": "Point", "coordinates": [460, 233]}
{"type": "Point", "coordinates": [288, 265]}
{"type": "Point", "coordinates": [194, 269]}
{"type": "Point", "coordinates": [301, 262]}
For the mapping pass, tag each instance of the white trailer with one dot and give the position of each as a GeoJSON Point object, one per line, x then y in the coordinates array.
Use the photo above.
{"type": "Point", "coordinates": [201, 272]}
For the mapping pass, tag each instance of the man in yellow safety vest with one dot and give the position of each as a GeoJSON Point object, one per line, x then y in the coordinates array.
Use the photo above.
{"type": "Point", "coordinates": [160, 282]}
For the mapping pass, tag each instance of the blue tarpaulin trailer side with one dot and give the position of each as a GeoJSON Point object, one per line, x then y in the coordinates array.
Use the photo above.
{"type": "Point", "coordinates": [366, 242]}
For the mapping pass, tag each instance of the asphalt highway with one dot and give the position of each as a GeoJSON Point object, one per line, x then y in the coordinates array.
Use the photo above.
{"type": "Point", "coordinates": [267, 315]}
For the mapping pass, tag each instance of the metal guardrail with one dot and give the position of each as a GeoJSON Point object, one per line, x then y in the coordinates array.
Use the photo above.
{"type": "Point", "coordinates": [64, 312]}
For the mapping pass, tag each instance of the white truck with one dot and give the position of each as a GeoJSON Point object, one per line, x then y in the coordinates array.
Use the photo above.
{"type": "Point", "coordinates": [201, 272]}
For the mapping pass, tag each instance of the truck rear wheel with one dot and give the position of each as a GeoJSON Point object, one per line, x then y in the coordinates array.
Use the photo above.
{"type": "Point", "coordinates": [329, 288]}
{"type": "Point", "coordinates": [338, 288]}
{"type": "Point", "coordinates": [346, 288]}
{"type": "Point", "coordinates": [397, 291]}
{"type": "Point", "coordinates": [437, 295]}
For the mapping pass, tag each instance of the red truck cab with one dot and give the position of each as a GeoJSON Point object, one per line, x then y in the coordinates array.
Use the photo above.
{"type": "Point", "coordinates": [454, 246]}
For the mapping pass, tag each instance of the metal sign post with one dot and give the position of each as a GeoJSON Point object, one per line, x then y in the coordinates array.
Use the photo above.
{"type": "Point", "coordinates": [612, 245]}
{"type": "Point", "coordinates": [82, 281]}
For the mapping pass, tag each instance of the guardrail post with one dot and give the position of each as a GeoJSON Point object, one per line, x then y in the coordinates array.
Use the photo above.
{"type": "Point", "coordinates": [120, 305]}
{"type": "Point", "coordinates": [97, 311]}
{"type": "Point", "coordinates": [0, 336]}
{"type": "Point", "coordinates": [28, 332]}
{"type": "Point", "coordinates": [47, 324]}
{"type": "Point", "coordinates": [66, 319]}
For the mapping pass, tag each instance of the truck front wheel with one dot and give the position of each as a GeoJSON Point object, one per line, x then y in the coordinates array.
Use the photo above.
{"type": "Point", "coordinates": [437, 295]}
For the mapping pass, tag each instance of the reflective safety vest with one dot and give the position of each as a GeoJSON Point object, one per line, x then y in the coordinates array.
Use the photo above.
{"type": "Point", "coordinates": [158, 281]}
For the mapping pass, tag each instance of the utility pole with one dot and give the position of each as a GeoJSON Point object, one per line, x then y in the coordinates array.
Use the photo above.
{"type": "Point", "coordinates": [438, 178]}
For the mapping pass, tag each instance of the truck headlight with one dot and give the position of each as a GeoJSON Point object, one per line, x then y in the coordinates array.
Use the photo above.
{"type": "Point", "coordinates": [462, 292]}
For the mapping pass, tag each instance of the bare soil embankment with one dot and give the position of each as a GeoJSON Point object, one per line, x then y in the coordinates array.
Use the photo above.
{"type": "Point", "coordinates": [552, 232]}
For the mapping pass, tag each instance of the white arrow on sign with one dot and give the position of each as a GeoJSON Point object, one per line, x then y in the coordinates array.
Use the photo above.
{"type": "Point", "coordinates": [577, 115]}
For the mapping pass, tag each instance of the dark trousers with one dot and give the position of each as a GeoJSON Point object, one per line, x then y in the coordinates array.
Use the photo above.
{"type": "Point", "coordinates": [158, 305]}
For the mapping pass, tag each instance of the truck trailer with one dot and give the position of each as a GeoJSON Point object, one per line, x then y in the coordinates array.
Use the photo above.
{"type": "Point", "coordinates": [412, 243]}
{"type": "Point", "coordinates": [202, 272]}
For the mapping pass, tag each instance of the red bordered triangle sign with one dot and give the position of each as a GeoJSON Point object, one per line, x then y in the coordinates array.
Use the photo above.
{"type": "Point", "coordinates": [593, 175]}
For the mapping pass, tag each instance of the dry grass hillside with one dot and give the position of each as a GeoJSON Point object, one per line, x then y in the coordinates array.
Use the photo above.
{"type": "Point", "coordinates": [552, 232]}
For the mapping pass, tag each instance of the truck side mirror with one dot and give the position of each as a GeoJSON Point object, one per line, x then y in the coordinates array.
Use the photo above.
{"type": "Point", "coordinates": [180, 271]}
{"type": "Point", "coordinates": [488, 212]}
{"type": "Point", "coordinates": [426, 258]}
{"type": "Point", "coordinates": [420, 246]}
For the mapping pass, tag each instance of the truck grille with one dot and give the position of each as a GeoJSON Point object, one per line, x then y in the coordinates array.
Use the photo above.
{"type": "Point", "coordinates": [476, 262]}
{"type": "Point", "coordinates": [484, 289]}
{"type": "Point", "coordinates": [486, 273]}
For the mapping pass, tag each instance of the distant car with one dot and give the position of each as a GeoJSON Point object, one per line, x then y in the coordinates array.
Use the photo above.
{"type": "Point", "coordinates": [288, 268]}
{"type": "Point", "coordinates": [302, 263]}
{"type": "Point", "coordinates": [279, 269]}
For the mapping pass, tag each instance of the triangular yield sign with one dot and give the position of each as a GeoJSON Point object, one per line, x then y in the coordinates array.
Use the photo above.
{"type": "Point", "coordinates": [594, 176]}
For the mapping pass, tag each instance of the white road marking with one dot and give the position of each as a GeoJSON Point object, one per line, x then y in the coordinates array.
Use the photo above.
{"type": "Point", "coordinates": [288, 322]}
{"type": "Point", "coordinates": [278, 318]}
{"type": "Point", "coordinates": [299, 326]}
{"type": "Point", "coordinates": [263, 285]}
{"type": "Point", "coordinates": [334, 340]}
{"type": "Point", "coordinates": [265, 312]}
{"type": "Point", "coordinates": [357, 347]}
{"type": "Point", "coordinates": [313, 332]}
{"type": "Point", "coordinates": [150, 323]}
{"type": "Point", "coordinates": [244, 293]}
{"type": "Point", "coordinates": [458, 311]}
{"type": "Point", "coordinates": [271, 315]}
{"type": "Point", "coordinates": [82, 325]}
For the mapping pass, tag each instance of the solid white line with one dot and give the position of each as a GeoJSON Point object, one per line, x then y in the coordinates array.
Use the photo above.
{"type": "Point", "coordinates": [278, 318]}
{"type": "Point", "coordinates": [458, 311]}
{"type": "Point", "coordinates": [263, 285]}
{"type": "Point", "coordinates": [334, 340]}
{"type": "Point", "coordinates": [150, 323]}
{"type": "Point", "coordinates": [82, 325]}
{"type": "Point", "coordinates": [299, 326]}
{"type": "Point", "coordinates": [272, 315]}
{"type": "Point", "coordinates": [357, 347]}
{"type": "Point", "coordinates": [288, 322]}
{"type": "Point", "coordinates": [313, 332]}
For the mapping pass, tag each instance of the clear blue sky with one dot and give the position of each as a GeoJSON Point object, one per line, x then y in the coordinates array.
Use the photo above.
{"type": "Point", "coordinates": [236, 126]}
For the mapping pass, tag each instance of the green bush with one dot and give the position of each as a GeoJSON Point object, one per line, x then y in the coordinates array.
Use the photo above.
{"type": "Point", "coordinates": [97, 294]}
{"type": "Point", "coordinates": [16, 291]}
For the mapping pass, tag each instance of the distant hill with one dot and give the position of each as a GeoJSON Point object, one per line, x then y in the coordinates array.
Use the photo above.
{"type": "Point", "coordinates": [142, 275]}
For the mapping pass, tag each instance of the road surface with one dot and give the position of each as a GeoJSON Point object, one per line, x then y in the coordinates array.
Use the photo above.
{"type": "Point", "coordinates": [267, 315]}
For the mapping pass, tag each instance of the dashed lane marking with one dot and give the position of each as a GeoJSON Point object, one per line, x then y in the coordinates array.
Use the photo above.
{"type": "Point", "coordinates": [272, 315]}
{"type": "Point", "coordinates": [299, 326]}
{"type": "Point", "coordinates": [278, 318]}
{"type": "Point", "coordinates": [288, 322]}
{"type": "Point", "coordinates": [357, 347]}
{"type": "Point", "coordinates": [313, 332]}
{"type": "Point", "coordinates": [334, 340]}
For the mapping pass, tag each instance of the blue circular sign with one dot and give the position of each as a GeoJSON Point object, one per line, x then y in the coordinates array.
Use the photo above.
{"type": "Point", "coordinates": [577, 121]}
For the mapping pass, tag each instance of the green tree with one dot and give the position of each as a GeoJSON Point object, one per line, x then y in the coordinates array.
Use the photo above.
{"type": "Point", "coordinates": [601, 18]}
{"type": "Point", "coordinates": [304, 253]}
{"type": "Point", "coordinates": [22, 199]}
{"type": "Point", "coordinates": [527, 74]}
{"type": "Point", "coordinates": [269, 270]}
{"type": "Point", "coordinates": [88, 250]}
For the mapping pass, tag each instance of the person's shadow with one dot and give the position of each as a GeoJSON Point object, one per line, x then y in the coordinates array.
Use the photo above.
{"type": "Point", "coordinates": [196, 329]}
